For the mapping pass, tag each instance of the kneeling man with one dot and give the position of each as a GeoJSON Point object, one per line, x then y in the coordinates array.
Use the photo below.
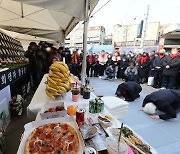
{"type": "Point", "coordinates": [128, 90]}
{"type": "Point", "coordinates": [167, 101]}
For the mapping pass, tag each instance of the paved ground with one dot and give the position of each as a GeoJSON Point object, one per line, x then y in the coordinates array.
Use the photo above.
{"type": "Point", "coordinates": [164, 136]}
{"type": "Point", "coordinates": [16, 129]}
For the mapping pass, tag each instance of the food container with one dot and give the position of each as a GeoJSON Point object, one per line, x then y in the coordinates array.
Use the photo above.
{"type": "Point", "coordinates": [113, 148]}
{"type": "Point", "coordinates": [75, 94]}
{"type": "Point", "coordinates": [105, 120]}
{"type": "Point", "coordinates": [54, 114]}
{"type": "Point", "coordinates": [86, 94]}
{"type": "Point", "coordinates": [61, 96]}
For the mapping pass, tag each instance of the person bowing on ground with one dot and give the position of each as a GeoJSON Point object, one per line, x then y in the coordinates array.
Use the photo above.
{"type": "Point", "coordinates": [167, 101]}
{"type": "Point", "coordinates": [129, 91]}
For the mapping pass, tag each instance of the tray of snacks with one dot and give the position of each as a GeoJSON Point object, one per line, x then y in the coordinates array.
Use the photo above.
{"type": "Point", "coordinates": [58, 135]}
{"type": "Point", "coordinates": [133, 140]}
{"type": "Point", "coordinates": [94, 136]}
{"type": "Point", "coordinates": [53, 110]}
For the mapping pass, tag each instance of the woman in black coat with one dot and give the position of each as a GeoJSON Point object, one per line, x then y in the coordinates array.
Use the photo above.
{"type": "Point", "coordinates": [171, 69]}
{"type": "Point", "coordinates": [167, 101]}
{"type": "Point", "coordinates": [123, 64]}
{"type": "Point", "coordinates": [129, 90]}
{"type": "Point", "coordinates": [143, 67]}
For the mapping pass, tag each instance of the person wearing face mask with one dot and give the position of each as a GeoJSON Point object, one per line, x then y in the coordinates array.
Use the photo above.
{"type": "Point", "coordinates": [109, 61]}
{"type": "Point", "coordinates": [123, 64]}
{"type": "Point", "coordinates": [90, 62]}
{"type": "Point", "coordinates": [143, 67]}
{"type": "Point", "coordinates": [131, 72]}
{"type": "Point", "coordinates": [102, 63]}
{"type": "Point", "coordinates": [116, 58]}
{"type": "Point", "coordinates": [32, 67]}
{"type": "Point", "coordinates": [96, 65]}
{"type": "Point", "coordinates": [171, 68]}
{"type": "Point", "coordinates": [157, 68]}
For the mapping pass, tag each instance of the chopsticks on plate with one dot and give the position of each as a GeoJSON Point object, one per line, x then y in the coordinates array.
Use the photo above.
{"type": "Point", "coordinates": [129, 143]}
{"type": "Point", "coordinates": [119, 139]}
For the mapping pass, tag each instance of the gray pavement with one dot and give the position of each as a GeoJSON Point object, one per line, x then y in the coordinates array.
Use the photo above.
{"type": "Point", "coordinates": [163, 136]}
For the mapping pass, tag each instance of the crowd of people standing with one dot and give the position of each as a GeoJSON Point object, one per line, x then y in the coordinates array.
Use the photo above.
{"type": "Point", "coordinates": [163, 66]}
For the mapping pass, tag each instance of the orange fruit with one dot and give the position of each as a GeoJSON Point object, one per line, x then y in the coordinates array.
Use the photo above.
{"type": "Point", "coordinates": [71, 110]}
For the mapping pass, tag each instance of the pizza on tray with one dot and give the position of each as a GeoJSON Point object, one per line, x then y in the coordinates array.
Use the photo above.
{"type": "Point", "coordinates": [52, 138]}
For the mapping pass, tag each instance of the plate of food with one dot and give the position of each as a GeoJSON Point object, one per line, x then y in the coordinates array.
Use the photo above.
{"type": "Point", "coordinates": [53, 110]}
{"type": "Point", "coordinates": [58, 135]}
{"type": "Point", "coordinates": [133, 140]}
{"type": "Point", "coordinates": [105, 119]}
{"type": "Point", "coordinates": [88, 132]}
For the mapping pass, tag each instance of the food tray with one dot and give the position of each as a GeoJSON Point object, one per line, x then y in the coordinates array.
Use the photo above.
{"type": "Point", "coordinates": [98, 141]}
{"type": "Point", "coordinates": [152, 150]}
{"type": "Point", "coordinates": [32, 125]}
{"type": "Point", "coordinates": [50, 115]}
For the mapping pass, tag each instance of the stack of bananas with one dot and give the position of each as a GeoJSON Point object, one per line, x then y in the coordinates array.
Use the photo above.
{"type": "Point", "coordinates": [58, 80]}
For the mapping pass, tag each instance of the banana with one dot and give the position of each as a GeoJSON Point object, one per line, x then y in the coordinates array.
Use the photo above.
{"type": "Point", "coordinates": [62, 89]}
{"type": "Point", "coordinates": [53, 86]}
{"type": "Point", "coordinates": [51, 81]}
{"type": "Point", "coordinates": [65, 80]}
{"type": "Point", "coordinates": [65, 75]}
{"type": "Point", "coordinates": [64, 85]}
{"type": "Point", "coordinates": [50, 89]}
{"type": "Point", "coordinates": [49, 94]}
{"type": "Point", "coordinates": [64, 64]}
{"type": "Point", "coordinates": [56, 80]}
{"type": "Point", "coordinates": [60, 67]}
{"type": "Point", "coordinates": [52, 68]}
{"type": "Point", "coordinates": [60, 74]}
{"type": "Point", "coordinates": [60, 92]}
{"type": "Point", "coordinates": [51, 74]}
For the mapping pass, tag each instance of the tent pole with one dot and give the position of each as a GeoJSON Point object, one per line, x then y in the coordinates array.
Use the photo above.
{"type": "Point", "coordinates": [86, 22]}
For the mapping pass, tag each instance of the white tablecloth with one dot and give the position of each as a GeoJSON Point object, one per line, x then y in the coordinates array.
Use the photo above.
{"type": "Point", "coordinates": [40, 98]}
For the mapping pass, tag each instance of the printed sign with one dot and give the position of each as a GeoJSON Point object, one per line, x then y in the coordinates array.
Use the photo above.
{"type": "Point", "coordinates": [9, 76]}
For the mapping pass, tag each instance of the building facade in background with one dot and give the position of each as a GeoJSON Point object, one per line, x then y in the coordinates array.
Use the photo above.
{"type": "Point", "coordinates": [126, 36]}
{"type": "Point", "coordinates": [170, 37]}
{"type": "Point", "coordinates": [96, 36]}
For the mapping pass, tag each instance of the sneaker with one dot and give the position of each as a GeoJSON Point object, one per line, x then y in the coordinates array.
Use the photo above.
{"type": "Point", "coordinates": [100, 77]}
{"type": "Point", "coordinates": [115, 78]}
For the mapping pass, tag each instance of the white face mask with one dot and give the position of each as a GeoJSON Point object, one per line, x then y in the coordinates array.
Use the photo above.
{"type": "Point", "coordinates": [48, 49]}
{"type": "Point", "coordinates": [173, 52]}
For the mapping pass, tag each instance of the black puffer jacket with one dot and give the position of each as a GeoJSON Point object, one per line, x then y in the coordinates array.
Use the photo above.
{"type": "Point", "coordinates": [167, 101]}
{"type": "Point", "coordinates": [158, 62]}
{"type": "Point", "coordinates": [174, 64]}
{"type": "Point", "coordinates": [129, 90]}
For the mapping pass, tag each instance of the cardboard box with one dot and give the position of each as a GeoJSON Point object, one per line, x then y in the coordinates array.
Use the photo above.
{"type": "Point", "coordinates": [32, 125]}
{"type": "Point", "coordinates": [50, 115]}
